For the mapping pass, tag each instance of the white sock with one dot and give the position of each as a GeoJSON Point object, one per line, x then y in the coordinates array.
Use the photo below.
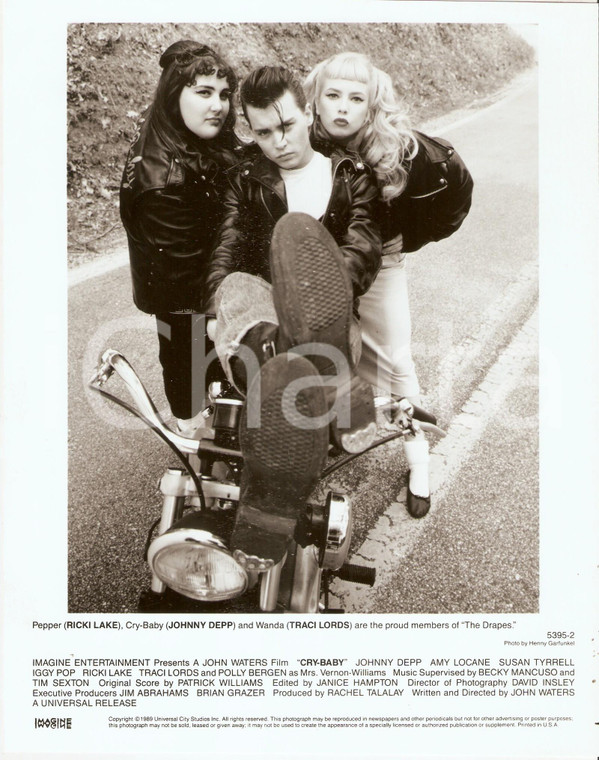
{"type": "Point", "coordinates": [416, 451]}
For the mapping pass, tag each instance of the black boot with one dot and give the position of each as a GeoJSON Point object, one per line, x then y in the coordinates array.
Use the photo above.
{"type": "Point", "coordinates": [261, 342]}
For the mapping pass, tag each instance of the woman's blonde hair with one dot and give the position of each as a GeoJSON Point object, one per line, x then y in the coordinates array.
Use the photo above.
{"type": "Point", "coordinates": [385, 141]}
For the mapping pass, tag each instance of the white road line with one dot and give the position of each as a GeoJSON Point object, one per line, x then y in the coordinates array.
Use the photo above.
{"type": "Point", "coordinates": [98, 267]}
{"type": "Point", "coordinates": [463, 357]}
{"type": "Point", "coordinates": [395, 533]}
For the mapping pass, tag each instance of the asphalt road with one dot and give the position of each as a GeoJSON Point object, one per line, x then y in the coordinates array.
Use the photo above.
{"type": "Point", "coordinates": [477, 551]}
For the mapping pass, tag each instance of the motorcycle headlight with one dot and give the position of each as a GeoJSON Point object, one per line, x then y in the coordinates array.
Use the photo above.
{"type": "Point", "coordinates": [196, 563]}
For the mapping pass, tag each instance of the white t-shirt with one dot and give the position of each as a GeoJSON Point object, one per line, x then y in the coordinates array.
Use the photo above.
{"type": "Point", "coordinates": [309, 189]}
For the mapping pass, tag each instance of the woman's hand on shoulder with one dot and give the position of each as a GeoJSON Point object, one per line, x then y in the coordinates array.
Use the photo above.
{"type": "Point", "coordinates": [211, 328]}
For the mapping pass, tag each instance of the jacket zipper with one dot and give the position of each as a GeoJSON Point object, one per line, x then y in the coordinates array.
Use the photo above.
{"type": "Point", "coordinates": [269, 187]}
{"type": "Point", "coordinates": [335, 171]}
{"type": "Point", "coordinates": [428, 195]}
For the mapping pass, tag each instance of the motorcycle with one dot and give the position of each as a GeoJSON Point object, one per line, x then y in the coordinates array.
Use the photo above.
{"type": "Point", "coordinates": [192, 566]}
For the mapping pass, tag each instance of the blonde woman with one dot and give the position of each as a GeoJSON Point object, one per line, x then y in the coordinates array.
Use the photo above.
{"type": "Point", "coordinates": [424, 195]}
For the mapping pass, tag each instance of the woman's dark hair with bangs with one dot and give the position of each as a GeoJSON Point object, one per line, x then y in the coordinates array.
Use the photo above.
{"type": "Point", "coordinates": [181, 63]}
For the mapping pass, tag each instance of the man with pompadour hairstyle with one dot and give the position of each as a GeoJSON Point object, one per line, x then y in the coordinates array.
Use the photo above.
{"type": "Point", "coordinates": [296, 247]}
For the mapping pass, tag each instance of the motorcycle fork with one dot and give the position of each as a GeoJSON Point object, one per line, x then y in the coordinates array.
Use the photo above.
{"type": "Point", "coordinates": [305, 593]}
{"type": "Point", "coordinates": [173, 486]}
{"type": "Point", "coordinates": [300, 580]}
{"type": "Point", "coordinates": [269, 587]}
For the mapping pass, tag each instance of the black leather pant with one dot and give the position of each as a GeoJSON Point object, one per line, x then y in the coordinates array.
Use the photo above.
{"type": "Point", "coordinates": [189, 363]}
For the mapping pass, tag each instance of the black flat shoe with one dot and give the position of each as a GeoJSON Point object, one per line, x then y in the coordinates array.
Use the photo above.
{"type": "Point", "coordinates": [417, 506]}
{"type": "Point", "coordinates": [422, 415]}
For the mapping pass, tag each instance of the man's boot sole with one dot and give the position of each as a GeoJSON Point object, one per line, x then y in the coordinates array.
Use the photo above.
{"type": "Point", "coordinates": [283, 455]}
{"type": "Point", "coordinates": [313, 297]}
{"type": "Point", "coordinates": [312, 289]}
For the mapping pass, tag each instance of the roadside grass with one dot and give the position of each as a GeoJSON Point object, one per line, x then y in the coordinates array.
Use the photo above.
{"type": "Point", "coordinates": [112, 71]}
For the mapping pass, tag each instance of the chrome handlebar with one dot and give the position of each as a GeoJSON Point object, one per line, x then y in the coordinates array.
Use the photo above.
{"type": "Point", "coordinates": [398, 411]}
{"type": "Point", "coordinates": [113, 361]}
{"type": "Point", "coordinates": [401, 412]}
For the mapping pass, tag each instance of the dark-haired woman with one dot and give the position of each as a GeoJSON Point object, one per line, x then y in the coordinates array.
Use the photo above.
{"type": "Point", "coordinates": [171, 206]}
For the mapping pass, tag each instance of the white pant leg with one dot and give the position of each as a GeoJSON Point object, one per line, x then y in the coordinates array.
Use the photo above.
{"type": "Point", "coordinates": [243, 301]}
{"type": "Point", "coordinates": [386, 327]}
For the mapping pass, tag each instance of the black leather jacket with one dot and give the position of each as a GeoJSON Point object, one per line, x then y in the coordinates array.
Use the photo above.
{"type": "Point", "coordinates": [256, 200]}
{"type": "Point", "coordinates": [436, 199]}
{"type": "Point", "coordinates": [171, 208]}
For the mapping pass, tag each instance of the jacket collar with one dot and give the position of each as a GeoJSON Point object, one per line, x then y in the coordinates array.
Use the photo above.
{"type": "Point", "coordinates": [155, 168]}
{"type": "Point", "coordinates": [267, 172]}
{"type": "Point", "coordinates": [200, 164]}
{"type": "Point", "coordinates": [435, 152]}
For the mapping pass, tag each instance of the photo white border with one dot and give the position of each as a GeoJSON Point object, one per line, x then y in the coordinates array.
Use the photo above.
{"type": "Point", "coordinates": [34, 385]}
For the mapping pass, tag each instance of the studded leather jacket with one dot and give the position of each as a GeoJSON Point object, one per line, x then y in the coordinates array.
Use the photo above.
{"type": "Point", "coordinates": [256, 200]}
{"type": "Point", "coordinates": [171, 208]}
